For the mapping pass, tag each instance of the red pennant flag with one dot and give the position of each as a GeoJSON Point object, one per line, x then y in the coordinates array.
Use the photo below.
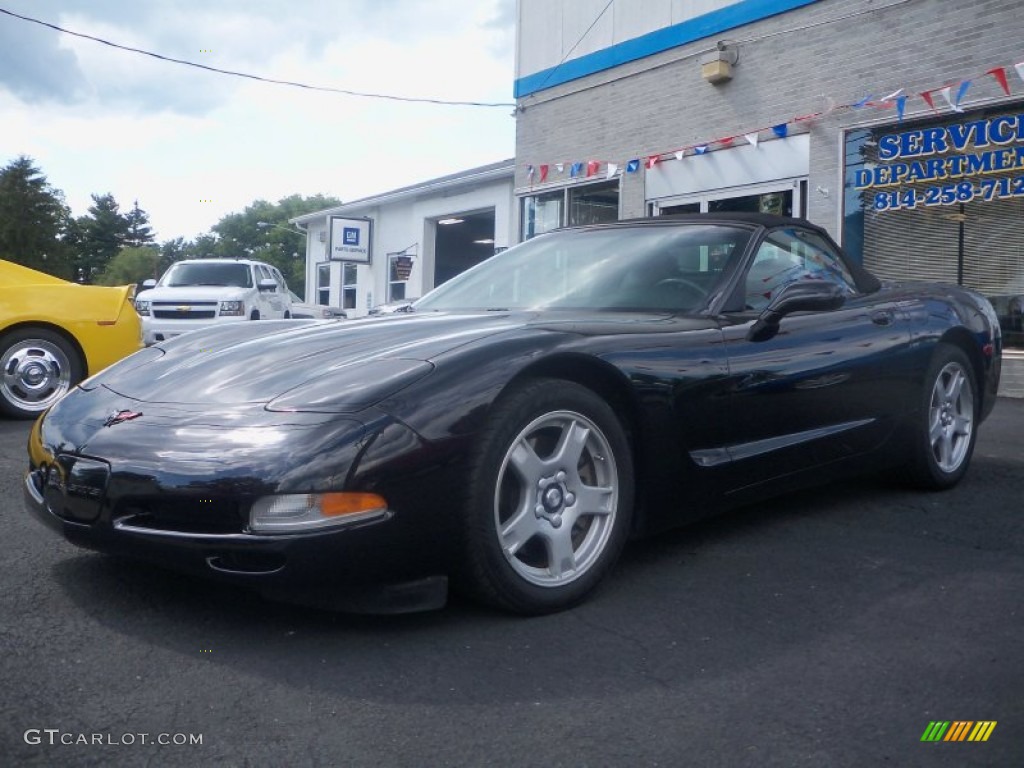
{"type": "Point", "coordinates": [927, 96]}
{"type": "Point", "coordinates": [543, 173]}
{"type": "Point", "coordinates": [727, 141]}
{"type": "Point", "coordinates": [999, 73]}
{"type": "Point", "coordinates": [592, 166]}
{"type": "Point", "coordinates": [652, 161]}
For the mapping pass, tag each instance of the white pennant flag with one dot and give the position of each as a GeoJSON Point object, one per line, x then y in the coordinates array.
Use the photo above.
{"type": "Point", "coordinates": [560, 167]}
{"type": "Point", "coordinates": [1020, 70]}
{"type": "Point", "coordinates": [947, 95]}
{"type": "Point", "coordinates": [679, 154]}
{"type": "Point", "coordinates": [891, 96]}
{"type": "Point", "coordinates": [752, 138]}
{"type": "Point", "coordinates": [613, 168]}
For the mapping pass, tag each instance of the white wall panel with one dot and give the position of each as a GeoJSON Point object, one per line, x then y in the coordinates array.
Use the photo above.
{"type": "Point", "coordinates": [548, 29]}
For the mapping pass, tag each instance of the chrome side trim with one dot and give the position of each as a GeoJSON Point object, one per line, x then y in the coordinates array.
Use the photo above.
{"type": "Point", "coordinates": [713, 457]}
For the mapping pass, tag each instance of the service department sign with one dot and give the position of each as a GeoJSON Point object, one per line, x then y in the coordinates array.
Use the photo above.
{"type": "Point", "coordinates": [350, 240]}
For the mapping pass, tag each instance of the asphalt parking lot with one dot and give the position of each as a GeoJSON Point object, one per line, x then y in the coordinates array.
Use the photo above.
{"type": "Point", "coordinates": [827, 628]}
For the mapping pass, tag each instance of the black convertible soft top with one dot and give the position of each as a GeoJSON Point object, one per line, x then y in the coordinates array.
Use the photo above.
{"type": "Point", "coordinates": [866, 282]}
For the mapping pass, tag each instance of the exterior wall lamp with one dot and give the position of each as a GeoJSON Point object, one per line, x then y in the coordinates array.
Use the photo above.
{"type": "Point", "coordinates": [716, 67]}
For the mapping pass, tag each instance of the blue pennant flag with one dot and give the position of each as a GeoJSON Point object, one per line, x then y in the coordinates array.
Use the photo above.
{"type": "Point", "coordinates": [633, 166]}
{"type": "Point", "coordinates": [780, 130]}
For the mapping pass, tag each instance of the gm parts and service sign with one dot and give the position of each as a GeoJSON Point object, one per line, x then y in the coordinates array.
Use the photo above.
{"type": "Point", "coordinates": [350, 240]}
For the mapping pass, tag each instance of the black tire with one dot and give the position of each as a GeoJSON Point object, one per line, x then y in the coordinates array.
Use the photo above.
{"type": "Point", "coordinates": [37, 367]}
{"type": "Point", "coordinates": [565, 517]}
{"type": "Point", "coordinates": [254, 315]}
{"type": "Point", "coordinates": [947, 421]}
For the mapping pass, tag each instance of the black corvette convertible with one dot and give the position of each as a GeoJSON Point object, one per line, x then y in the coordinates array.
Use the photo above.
{"type": "Point", "coordinates": [525, 419]}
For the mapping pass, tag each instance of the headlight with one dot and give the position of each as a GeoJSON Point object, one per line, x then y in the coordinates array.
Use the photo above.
{"type": "Point", "coordinates": [297, 512]}
{"type": "Point", "coordinates": [142, 307]}
{"type": "Point", "coordinates": [228, 308]}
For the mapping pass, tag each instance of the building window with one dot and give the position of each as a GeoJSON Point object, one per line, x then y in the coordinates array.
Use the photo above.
{"type": "Point", "coordinates": [593, 204]}
{"type": "Point", "coordinates": [941, 200]}
{"type": "Point", "coordinates": [542, 213]}
{"type": "Point", "coordinates": [572, 206]}
{"type": "Point", "coordinates": [399, 270]}
{"type": "Point", "coordinates": [349, 273]}
{"type": "Point", "coordinates": [323, 284]}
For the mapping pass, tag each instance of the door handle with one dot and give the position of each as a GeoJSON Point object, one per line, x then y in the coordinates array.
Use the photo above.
{"type": "Point", "coordinates": [882, 317]}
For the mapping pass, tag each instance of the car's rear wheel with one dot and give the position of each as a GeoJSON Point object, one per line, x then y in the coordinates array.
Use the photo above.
{"type": "Point", "coordinates": [549, 500]}
{"type": "Point", "coordinates": [946, 429]}
{"type": "Point", "coordinates": [37, 367]}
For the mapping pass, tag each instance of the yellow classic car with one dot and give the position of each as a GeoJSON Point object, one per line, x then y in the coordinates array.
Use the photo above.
{"type": "Point", "coordinates": [54, 333]}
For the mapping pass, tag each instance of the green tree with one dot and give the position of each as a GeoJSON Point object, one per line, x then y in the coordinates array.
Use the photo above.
{"type": "Point", "coordinates": [170, 252]}
{"type": "Point", "coordinates": [261, 231]}
{"type": "Point", "coordinates": [139, 232]}
{"type": "Point", "coordinates": [203, 247]}
{"type": "Point", "coordinates": [131, 265]}
{"type": "Point", "coordinates": [33, 219]}
{"type": "Point", "coordinates": [100, 235]}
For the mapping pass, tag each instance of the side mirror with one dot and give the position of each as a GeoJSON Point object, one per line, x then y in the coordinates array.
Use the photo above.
{"type": "Point", "coordinates": [267, 285]}
{"type": "Point", "coordinates": [151, 283]}
{"type": "Point", "coordinates": [799, 296]}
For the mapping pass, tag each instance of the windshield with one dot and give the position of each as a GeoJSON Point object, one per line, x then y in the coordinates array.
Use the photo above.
{"type": "Point", "coordinates": [236, 275]}
{"type": "Point", "coordinates": [672, 268]}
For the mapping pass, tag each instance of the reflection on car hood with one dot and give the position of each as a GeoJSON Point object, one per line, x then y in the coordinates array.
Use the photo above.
{"type": "Point", "coordinates": [257, 361]}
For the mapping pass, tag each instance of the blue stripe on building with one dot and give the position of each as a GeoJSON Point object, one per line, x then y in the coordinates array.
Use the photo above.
{"type": "Point", "coordinates": [698, 28]}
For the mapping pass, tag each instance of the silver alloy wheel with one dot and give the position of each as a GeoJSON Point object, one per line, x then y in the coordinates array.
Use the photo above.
{"type": "Point", "coordinates": [556, 499]}
{"type": "Point", "coordinates": [951, 417]}
{"type": "Point", "coordinates": [34, 374]}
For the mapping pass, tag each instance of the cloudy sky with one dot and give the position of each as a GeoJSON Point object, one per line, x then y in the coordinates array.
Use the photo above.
{"type": "Point", "coordinates": [192, 145]}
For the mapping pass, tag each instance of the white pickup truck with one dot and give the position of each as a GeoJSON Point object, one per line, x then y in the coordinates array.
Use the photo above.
{"type": "Point", "coordinates": [198, 293]}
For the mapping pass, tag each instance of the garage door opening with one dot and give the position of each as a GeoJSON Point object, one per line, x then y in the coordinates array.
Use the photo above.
{"type": "Point", "coordinates": [462, 241]}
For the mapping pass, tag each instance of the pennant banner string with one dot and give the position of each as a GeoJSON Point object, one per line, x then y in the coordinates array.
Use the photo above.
{"type": "Point", "coordinates": [897, 99]}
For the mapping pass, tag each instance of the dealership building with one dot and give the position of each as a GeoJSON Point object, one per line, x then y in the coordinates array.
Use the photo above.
{"type": "Point", "coordinates": [898, 125]}
{"type": "Point", "coordinates": [399, 244]}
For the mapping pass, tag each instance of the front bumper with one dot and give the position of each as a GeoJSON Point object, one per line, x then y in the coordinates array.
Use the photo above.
{"type": "Point", "coordinates": [338, 569]}
{"type": "Point", "coordinates": [163, 329]}
{"type": "Point", "coordinates": [174, 487]}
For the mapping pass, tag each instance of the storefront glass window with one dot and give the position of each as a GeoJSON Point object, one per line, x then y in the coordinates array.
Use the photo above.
{"type": "Point", "coordinates": [542, 213]}
{"type": "Point", "coordinates": [942, 200]}
{"type": "Point", "coordinates": [594, 204]}
{"type": "Point", "coordinates": [575, 206]}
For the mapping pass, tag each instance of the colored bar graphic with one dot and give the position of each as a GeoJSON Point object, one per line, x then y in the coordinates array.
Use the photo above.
{"type": "Point", "coordinates": [935, 730]}
{"type": "Point", "coordinates": [958, 730]}
{"type": "Point", "coordinates": [982, 730]}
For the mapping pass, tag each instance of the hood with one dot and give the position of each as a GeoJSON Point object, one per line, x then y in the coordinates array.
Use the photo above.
{"type": "Point", "coordinates": [259, 361]}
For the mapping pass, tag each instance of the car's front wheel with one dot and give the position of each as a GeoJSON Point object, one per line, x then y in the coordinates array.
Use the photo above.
{"type": "Point", "coordinates": [947, 424]}
{"type": "Point", "coordinates": [37, 367]}
{"type": "Point", "coordinates": [550, 498]}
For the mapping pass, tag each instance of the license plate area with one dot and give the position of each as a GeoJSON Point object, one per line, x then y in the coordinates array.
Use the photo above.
{"type": "Point", "coordinates": [75, 487]}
